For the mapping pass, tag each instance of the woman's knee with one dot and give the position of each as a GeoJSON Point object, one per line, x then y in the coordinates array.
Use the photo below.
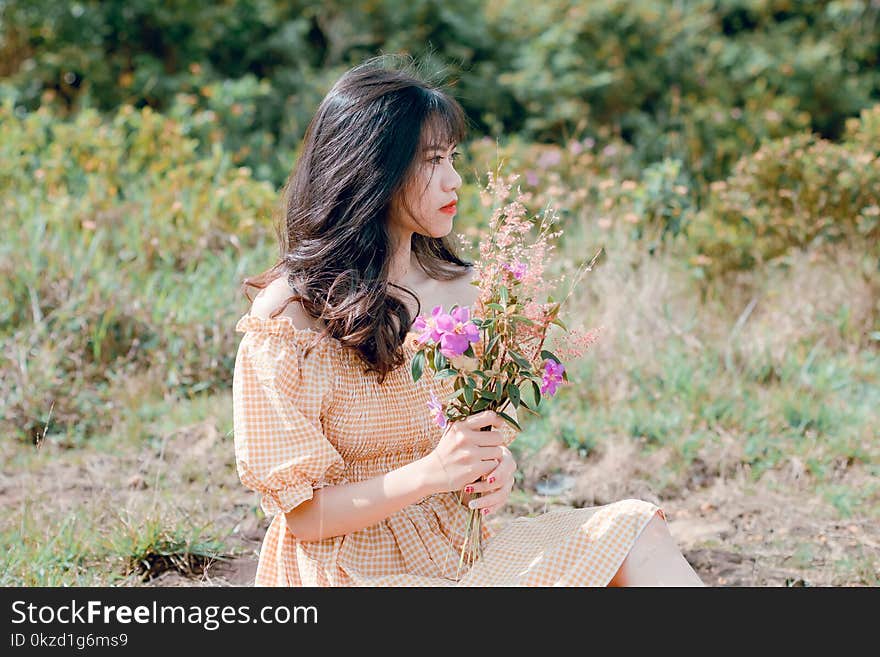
{"type": "Point", "coordinates": [656, 529]}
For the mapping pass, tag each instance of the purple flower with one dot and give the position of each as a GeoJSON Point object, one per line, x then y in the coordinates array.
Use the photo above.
{"type": "Point", "coordinates": [549, 158]}
{"type": "Point", "coordinates": [552, 377]}
{"type": "Point", "coordinates": [427, 328]}
{"type": "Point", "coordinates": [436, 409]}
{"type": "Point", "coordinates": [518, 269]}
{"type": "Point", "coordinates": [453, 332]}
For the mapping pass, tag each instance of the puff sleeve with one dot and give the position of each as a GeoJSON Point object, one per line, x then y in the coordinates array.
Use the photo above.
{"type": "Point", "coordinates": [278, 396]}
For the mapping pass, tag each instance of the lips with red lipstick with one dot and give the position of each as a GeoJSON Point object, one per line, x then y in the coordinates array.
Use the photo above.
{"type": "Point", "coordinates": [449, 208]}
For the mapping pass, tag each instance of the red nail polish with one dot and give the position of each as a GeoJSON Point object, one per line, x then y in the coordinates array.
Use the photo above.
{"type": "Point", "coordinates": [469, 489]}
{"type": "Point", "coordinates": [485, 511]}
{"type": "Point", "coordinates": [491, 480]}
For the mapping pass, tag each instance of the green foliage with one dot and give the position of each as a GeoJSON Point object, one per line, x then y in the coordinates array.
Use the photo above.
{"type": "Point", "coordinates": [794, 192]}
{"type": "Point", "coordinates": [258, 68]}
{"type": "Point", "coordinates": [114, 232]}
{"type": "Point", "coordinates": [703, 82]}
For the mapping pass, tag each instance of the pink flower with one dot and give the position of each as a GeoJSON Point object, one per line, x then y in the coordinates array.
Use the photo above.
{"type": "Point", "coordinates": [552, 377]}
{"type": "Point", "coordinates": [436, 409]}
{"type": "Point", "coordinates": [549, 158]}
{"type": "Point", "coordinates": [518, 269]}
{"type": "Point", "coordinates": [454, 332]}
{"type": "Point", "coordinates": [427, 328]}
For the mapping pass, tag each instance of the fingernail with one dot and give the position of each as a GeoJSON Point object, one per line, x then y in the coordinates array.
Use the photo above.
{"type": "Point", "coordinates": [469, 489]}
{"type": "Point", "coordinates": [491, 480]}
{"type": "Point", "coordinates": [485, 511]}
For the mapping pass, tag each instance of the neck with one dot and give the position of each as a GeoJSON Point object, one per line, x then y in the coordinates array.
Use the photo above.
{"type": "Point", "coordinates": [404, 267]}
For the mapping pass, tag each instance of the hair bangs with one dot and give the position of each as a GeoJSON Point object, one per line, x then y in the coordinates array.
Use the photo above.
{"type": "Point", "coordinates": [445, 123]}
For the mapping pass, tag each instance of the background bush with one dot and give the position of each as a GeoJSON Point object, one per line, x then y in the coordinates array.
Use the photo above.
{"type": "Point", "coordinates": [120, 246]}
{"type": "Point", "coordinates": [702, 81]}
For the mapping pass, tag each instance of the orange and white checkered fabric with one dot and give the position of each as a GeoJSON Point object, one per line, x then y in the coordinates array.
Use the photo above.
{"type": "Point", "coordinates": [303, 422]}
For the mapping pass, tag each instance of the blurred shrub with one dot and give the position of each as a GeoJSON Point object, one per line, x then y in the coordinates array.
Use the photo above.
{"type": "Point", "coordinates": [703, 81]}
{"type": "Point", "coordinates": [583, 183]}
{"type": "Point", "coordinates": [864, 132]}
{"type": "Point", "coordinates": [797, 191]}
{"type": "Point", "coordinates": [258, 68]}
{"type": "Point", "coordinates": [662, 201]}
{"type": "Point", "coordinates": [118, 256]}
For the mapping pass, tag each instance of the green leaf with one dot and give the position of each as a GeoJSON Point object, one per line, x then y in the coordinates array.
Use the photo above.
{"type": "Point", "coordinates": [469, 395]}
{"type": "Point", "coordinates": [519, 360]}
{"type": "Point", "coordinates": [505, 296]}
{"type": "Point", "coordinates": [510, 420]}
{"type": "Point", "coordinates": [528, 410]}
{"type": "Point", "coordinates": [527, 395]}
{"type": "Point", "coordinates": [495, 306]}
{"type": "Point", "coordinates": [445, 374]}
{"type": "Point", "coordinates": [548, 355]}
{"type": "Point", "coordinates": [523, 319]}
{"type": "Point", "coordinates": [559, 323]}
{"type": "Point", "coordinates": [418, 364]}
{"type": "Point", "coordinates": [513, 393]}
{"type": "Point", "coordinates": [537, 392]}
{"type": "Point", "coordinates": [482, 404]}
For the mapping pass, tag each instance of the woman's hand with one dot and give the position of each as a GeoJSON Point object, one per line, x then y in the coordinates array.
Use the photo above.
{"type": "Point", "coordinates": [495, 486]}
{"type": "Point", "coordinates": [464, 453]}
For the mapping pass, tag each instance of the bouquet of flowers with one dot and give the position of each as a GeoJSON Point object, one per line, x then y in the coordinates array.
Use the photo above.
{"type": "Point", "coordinates": [498, 355]}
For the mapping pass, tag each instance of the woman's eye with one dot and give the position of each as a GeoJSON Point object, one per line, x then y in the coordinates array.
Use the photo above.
{"type": "Point", "coordinates": [452, 157]}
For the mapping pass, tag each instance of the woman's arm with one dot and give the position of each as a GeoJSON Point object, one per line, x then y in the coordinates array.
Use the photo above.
{"type": "Point", "coordinates": [338, 510]}
{"type": "Point", "coordinates": [463, 454]}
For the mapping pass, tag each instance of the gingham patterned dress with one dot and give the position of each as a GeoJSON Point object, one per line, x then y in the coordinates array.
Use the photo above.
{"type": "Point", "coordinates": [301, 423]}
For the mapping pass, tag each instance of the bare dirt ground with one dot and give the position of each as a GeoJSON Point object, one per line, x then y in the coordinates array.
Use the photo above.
{"type": "Point", "coordinates": [735, 532]}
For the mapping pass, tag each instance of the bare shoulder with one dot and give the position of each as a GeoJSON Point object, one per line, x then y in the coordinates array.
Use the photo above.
{"type": "Point", "coordinates": [273, 296]}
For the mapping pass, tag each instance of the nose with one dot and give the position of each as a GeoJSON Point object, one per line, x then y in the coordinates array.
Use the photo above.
{"type": "Point", "coordinates": [451, 180]}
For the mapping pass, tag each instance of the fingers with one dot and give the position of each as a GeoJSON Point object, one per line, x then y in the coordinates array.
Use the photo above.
{"type": "Point", "coordinates": [499, 473]}
{"type": "Point", "coordinates": [489, 438]}
{"type": "Point", "coordinates": [490, 454]}
{"type": "Point", "coordinates": [484, 419]}
{"type": "Point", "coordinates": [490, 501]}
{"type": "Point", "coordinates": [495, 479]}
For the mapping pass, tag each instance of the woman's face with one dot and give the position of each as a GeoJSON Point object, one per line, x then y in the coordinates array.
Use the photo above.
{"type": "Point", "coordinates": [426, 202]}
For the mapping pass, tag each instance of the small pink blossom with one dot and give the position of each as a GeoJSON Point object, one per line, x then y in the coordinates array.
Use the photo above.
{"type": "Point", "coordinates": [549, 158]}
{"type": "Point", "coordinates": [436, 409]}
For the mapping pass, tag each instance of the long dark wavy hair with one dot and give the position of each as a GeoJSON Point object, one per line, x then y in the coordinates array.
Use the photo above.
{"type": "Point", "coordinates": [359, 154]}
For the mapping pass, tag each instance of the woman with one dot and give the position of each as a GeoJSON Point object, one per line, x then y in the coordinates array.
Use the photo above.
{"type": "Point", "coordinates": [330, 429]}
